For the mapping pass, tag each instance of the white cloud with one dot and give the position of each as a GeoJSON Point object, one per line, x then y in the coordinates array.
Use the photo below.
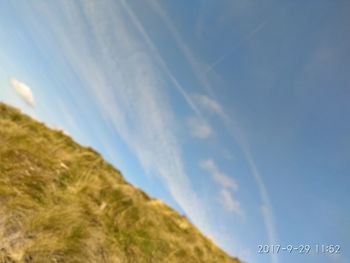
{"type": "Point", "coordinates": [229, 203]}
{"type": "Point", "coordinates": [208, 104]}
{"type": "Point", "coordinates": [237, 134]}
{"type": "Point", "coordinates": [221, 178]}
{"type": "Point", "coordinates": [23, 91]}
{"type": "Point", "coordinates": [199, 128]}
{"type": "Point", "coordinates": [226, 183]}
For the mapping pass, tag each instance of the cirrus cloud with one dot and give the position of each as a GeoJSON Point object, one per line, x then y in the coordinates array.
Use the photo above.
{"type": "Point", "coordinates": [229, 203]}
{"type": "Point", "coordinates": [221, 178]}
{"type": "Point", "coordinates": [199, 128]}
{"type": "Point", "coordinates": [208, 104]}
{"type": "Point", "coordinates": [226, 183]}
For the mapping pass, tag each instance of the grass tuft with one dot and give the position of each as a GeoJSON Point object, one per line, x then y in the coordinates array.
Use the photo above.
{"type": "Point", "coordinates": [61, 202]}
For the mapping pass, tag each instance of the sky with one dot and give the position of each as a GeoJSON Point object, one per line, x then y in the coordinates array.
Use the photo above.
{"type": "Point", "coordinates": [235, 113]}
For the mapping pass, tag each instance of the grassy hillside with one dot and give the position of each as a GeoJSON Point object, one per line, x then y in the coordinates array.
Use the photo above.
{"type": "Point", "coordinates": [61, 202]}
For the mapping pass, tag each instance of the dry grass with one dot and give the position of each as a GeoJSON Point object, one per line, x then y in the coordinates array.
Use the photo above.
{"type": "Point", "coordinates": [61, 202]}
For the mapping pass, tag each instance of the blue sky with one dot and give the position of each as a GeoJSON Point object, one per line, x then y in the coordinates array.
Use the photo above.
{"type": "Point", "coordinates": [235, 113]}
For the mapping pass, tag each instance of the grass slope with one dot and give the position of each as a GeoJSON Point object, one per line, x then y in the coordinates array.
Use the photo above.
{"type": "Point", "coordinates": [61, 202]}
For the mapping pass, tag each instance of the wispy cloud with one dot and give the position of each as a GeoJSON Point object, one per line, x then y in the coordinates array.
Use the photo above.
{"type": "Point", "coordinates": [199, 128]}
{"type": "Point", "coordinates": [221, 178]}
{"type": "Point", "coordinates": [208, 104]}
{"type": "Point", "coordinates": [23, 91]}
{"type": "Point", "coordinates": [229, 203]}
{"type": "Point", "coordinates": [237, 134]}
{"type": "Point", "coordinates": [226, 184]}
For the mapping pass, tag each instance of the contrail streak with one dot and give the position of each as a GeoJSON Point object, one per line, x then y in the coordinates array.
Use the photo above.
{"type": "Point", "coordinates": [245, 39]}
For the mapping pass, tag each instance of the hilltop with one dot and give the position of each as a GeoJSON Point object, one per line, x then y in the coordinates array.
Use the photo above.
{"type": "Point", "coordinates": [61, 202]}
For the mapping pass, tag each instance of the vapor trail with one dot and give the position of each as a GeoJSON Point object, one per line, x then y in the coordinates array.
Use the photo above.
{"type": "Point", "coordinates": [245, 39]}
